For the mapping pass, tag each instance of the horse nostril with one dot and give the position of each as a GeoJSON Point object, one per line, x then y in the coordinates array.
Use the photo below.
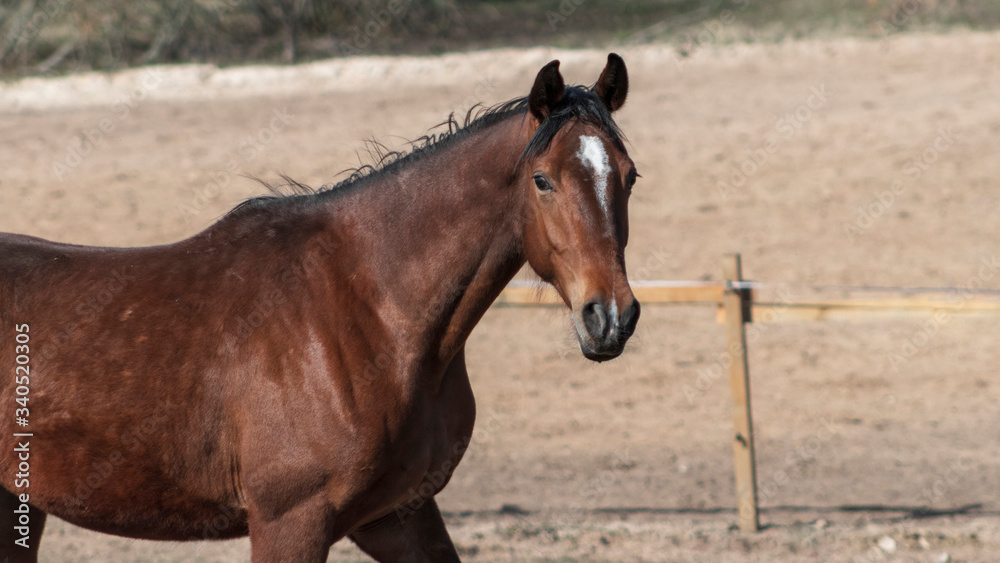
{"type": "Point", "coordinates": [595, 318]}
{"type": "Point", "coordinates": [629, 319]}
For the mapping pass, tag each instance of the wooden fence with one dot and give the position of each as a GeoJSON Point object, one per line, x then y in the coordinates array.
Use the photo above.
{"type": "Point", "coordinates": [739, 302]}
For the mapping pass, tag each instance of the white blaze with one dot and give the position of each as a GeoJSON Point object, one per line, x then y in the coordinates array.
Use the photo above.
{"type": "Point", "coordinates": [595, 159]}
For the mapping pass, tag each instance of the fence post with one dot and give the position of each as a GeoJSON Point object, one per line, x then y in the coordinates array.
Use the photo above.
{"type": "Point", "coordinates": [737, 303]}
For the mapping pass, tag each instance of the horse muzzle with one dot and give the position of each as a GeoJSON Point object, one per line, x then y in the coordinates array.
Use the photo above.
{"type": "Point", "coordinates": [602, 330]}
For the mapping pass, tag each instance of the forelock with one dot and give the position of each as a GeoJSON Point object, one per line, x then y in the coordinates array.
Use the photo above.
{"type": "Point", "coordinates": [578, 103]}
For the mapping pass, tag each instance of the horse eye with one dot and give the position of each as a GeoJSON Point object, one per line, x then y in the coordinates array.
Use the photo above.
{"type": "Point", "coordinates": [630, 181]}
{"type": "Point", "coordinates": [542, 184]}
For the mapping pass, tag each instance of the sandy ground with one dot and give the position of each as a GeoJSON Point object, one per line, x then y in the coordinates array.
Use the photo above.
{"type": "Point", "coordinates": [866, 162]}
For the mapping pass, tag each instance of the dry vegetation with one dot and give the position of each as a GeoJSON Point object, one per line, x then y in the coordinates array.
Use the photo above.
{"type": "Point", "coordinates": [46, 36]}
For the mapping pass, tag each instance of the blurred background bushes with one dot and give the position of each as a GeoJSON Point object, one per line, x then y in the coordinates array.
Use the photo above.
{"type": "Point", "coordinates": [56, 36]}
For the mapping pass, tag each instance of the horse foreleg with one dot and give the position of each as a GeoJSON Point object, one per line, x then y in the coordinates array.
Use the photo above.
{"type": "Point", "coordinates": [15, 546]}
{"type": "Point", "coordinates": [413, 537]}
{"type": "Point", "coordinates": [301, 535]}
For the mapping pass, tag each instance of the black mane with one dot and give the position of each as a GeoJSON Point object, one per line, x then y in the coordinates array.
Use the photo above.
{"type": "Point", "coordinates": [577, 102]}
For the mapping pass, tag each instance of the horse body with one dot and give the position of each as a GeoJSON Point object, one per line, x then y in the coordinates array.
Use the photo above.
{"type": "Point", "coordinates": [296, 371]}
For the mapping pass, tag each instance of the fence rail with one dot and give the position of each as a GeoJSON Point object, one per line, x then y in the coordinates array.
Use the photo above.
{"type": "Point", "coordinates": [786, 302]}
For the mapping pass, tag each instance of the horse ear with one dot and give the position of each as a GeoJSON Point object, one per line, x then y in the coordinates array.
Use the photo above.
{"type": "Point", "coordinates": [546, 92]}
{"type": "Point", "coordinates": [612, 86]}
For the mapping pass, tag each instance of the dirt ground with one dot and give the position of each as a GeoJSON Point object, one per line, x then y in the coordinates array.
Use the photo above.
{"type": "Point", "coordinates": [840, 162]}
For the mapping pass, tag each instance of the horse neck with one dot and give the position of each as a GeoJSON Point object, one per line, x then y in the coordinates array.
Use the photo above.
{"type": "Point", "coordinates": [452, 225]}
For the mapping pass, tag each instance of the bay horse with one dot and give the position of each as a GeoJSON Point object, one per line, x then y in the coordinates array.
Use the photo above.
{"type": "Point", "coordinates": [296, 371]}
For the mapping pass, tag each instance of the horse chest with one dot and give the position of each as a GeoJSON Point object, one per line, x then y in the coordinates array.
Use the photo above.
{"type": "Point", "coordinates": [425, 466]}
{"type": "Point", "coordinates": [427, 446]}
